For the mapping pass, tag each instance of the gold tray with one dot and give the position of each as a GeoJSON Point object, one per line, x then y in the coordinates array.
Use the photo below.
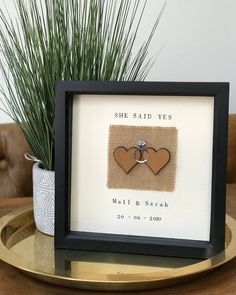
{"type": "Point", "coordinates": [33, 252]}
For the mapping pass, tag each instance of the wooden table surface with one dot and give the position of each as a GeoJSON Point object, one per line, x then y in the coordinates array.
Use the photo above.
{"type": "Point", "coordinates": [221, 281]}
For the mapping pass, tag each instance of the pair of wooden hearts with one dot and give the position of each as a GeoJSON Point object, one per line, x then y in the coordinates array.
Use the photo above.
{"type": "Point", "coordinates": [127, 159]}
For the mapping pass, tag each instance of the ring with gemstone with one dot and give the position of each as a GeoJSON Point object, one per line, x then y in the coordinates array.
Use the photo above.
{"type": "Point", "coordinates": [141, 147]}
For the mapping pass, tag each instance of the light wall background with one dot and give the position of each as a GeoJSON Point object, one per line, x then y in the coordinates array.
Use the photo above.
{"type": "Point", "coordinates": [195, 41]}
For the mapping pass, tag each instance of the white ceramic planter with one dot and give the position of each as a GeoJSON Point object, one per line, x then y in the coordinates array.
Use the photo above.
{"type": "Point", "coordinates": [44, 199]}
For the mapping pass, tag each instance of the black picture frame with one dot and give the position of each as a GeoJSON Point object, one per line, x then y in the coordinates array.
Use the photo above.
{"type": "Point", "coordinates": [66, 239]}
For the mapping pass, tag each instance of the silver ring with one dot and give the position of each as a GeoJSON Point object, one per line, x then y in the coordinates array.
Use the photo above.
{"type": "Point", "coordinates": [141, 161]}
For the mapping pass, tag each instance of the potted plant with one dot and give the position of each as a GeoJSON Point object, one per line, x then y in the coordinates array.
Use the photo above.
{"type": "Point", "coordinates": [63, 40]}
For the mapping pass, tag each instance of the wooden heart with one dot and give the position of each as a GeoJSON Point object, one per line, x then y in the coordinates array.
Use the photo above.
{"type": "Point", "coordinates": [125, 158]}
{"type": "Point", "coordinates": [157, 160]}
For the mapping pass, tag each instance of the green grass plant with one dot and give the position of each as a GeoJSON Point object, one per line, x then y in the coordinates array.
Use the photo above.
{"type": "Point", "coordinates": [54, 40]}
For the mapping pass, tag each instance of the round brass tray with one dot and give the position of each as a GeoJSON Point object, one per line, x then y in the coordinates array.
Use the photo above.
{"type": "Point", "coordinates": [23, 247]}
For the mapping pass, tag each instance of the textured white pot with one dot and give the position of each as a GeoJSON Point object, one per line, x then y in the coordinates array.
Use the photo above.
{"type": "Point", "coordinates": [44, 199]}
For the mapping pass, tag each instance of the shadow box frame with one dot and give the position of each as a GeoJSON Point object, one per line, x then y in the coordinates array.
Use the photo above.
{"type": "Point", "coordinates": [65, 238]}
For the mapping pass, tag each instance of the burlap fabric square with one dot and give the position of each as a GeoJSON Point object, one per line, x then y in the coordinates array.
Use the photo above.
{"type": "Point", "coordinates": [141, 177]}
